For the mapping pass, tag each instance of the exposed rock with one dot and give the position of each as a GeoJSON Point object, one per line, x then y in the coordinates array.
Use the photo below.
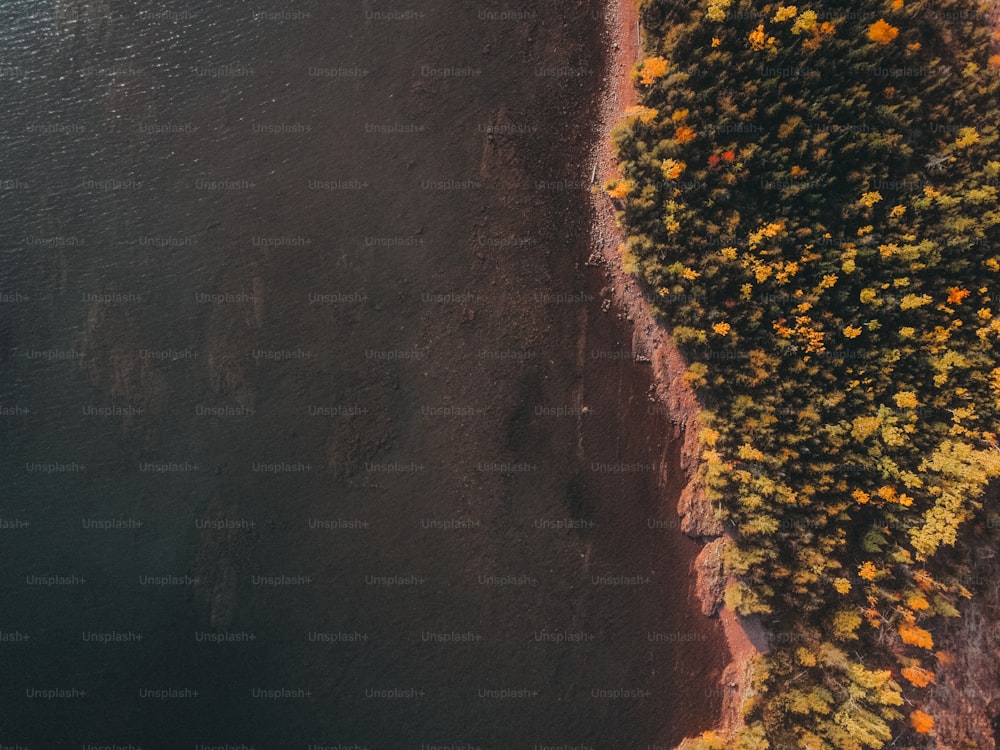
{"type": "Point", "coordinates": [735, 681]}
{"type": "Point", "coordinates": [698, 519]}
{"type": "Point", "coordinates": [669, 366]}
{"type": "Point", "coordinates": [710, 583]}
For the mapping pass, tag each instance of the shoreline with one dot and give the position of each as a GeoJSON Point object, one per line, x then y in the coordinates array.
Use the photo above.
{"type": "Point", "coordinates": [459, 343]}
{"type": "Point", "coordinates": [959, 702]}
{"type": "Point", "coordinates": [745, 638]}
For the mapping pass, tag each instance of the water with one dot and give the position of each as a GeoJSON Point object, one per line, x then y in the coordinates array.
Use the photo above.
{"type": "Point", "coordinates": [296, 343]}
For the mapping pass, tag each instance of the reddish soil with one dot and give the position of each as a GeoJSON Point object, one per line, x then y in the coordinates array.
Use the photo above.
{"type": "Point", "coordinates": [744, 638]}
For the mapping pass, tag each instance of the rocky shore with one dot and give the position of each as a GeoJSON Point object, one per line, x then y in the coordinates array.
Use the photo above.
{"type": "Point", "coordinates": [745, 637]}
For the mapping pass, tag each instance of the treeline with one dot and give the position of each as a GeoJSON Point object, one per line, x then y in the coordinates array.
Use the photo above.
{"type": "Point", "coordinates": [810, 194]}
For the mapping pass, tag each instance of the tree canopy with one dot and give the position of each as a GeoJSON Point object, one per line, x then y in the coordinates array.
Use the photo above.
{"type": "Point", "coordinates": [810, 193]}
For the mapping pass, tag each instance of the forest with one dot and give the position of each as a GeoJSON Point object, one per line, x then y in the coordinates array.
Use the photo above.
{"type": "Point", "coordinates": [809, 193]}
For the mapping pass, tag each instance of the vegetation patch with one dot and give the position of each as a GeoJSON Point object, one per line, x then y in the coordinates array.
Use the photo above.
{"type": "Point", "coordinates": [810, 194]}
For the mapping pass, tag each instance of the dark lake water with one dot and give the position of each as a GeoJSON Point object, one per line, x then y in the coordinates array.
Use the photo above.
{"type": "Point", "coordinates": [315, 432]}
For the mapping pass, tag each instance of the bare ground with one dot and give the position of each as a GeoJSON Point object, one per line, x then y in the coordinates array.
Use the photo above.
{"type": "Point", "coordinates": [745, 639]}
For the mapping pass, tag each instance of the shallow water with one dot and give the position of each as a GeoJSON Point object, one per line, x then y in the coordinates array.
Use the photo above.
{"type": "Point", "coordinates": [316, 432]}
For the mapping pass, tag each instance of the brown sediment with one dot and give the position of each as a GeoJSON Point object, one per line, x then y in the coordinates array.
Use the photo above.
{"type": "Point", "coordinates": [745, 638]}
